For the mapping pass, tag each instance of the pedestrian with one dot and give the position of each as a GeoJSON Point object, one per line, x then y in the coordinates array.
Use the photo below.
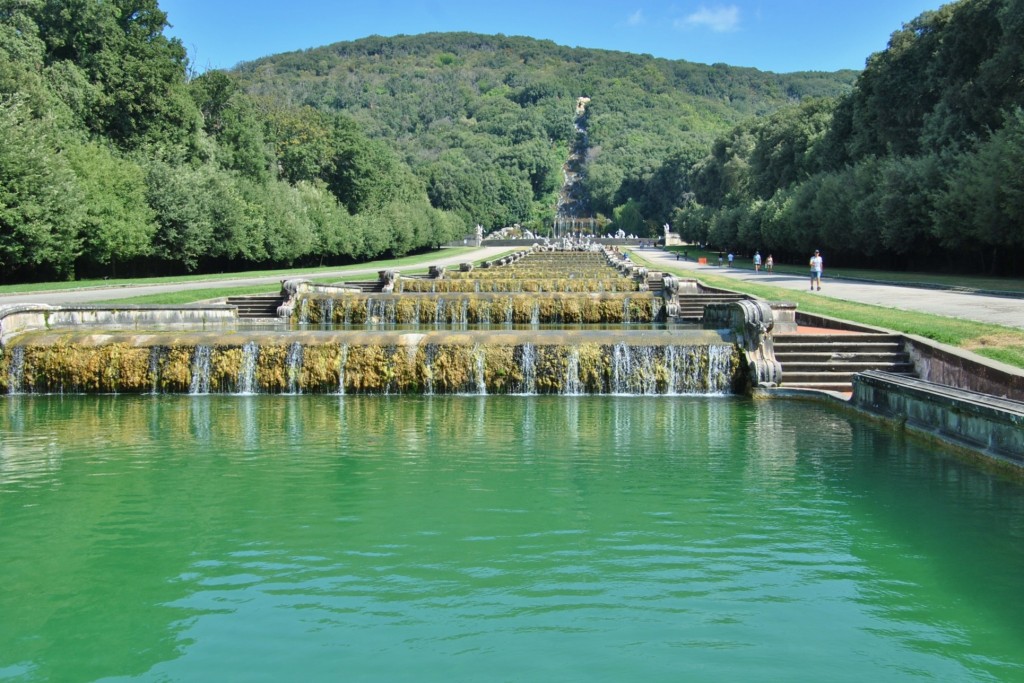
{"type": "Point", "coordinates": [757, 261]}
{"type": "Point", "coordinates": [816, 268]}
{"type": "Point", "coordinates": [769, 263]}
{"type": "Point", "coordinates": [731, 258]}
{"type": "Point", "coordinates": [720, 257]}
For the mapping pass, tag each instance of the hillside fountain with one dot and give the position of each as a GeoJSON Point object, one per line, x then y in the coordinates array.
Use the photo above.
{"type": "Point", "coordinates": [546, 322]}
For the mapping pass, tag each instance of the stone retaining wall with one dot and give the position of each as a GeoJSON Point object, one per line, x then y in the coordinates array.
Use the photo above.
{"type": "Point", "coordinates": [25, 317]}
{"type": "Point", "coordinates": [978, 421]}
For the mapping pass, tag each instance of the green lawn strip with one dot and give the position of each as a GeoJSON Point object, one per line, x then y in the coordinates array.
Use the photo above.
{"type": "Point", "coordinates": [1005, 344]}
{"type": "Point", "coordinates": [192, 296]}
{"type": "Point", "coordinates": [408, 261]}
{"type": "Point", "coordinates": [967, 281]}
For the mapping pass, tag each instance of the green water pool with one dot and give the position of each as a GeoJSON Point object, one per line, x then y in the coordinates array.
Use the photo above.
{"type": "Point", "coordinates": [487, 538]}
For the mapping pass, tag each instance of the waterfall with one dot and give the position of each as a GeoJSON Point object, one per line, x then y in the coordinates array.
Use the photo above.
{"type": "Point", "coordinates": [572, 386]}
{"type": "Point", "coordinates": [430, 354]}
{"type": "Point", "coordinates": [247, 368]}
{"type": "Point", "coordinates": [634, 370]}
{"type": "Point", "coordinates": [200, 383]}
{"type": "Point", "coordinates": [303, 311]}
{"type": "Point", "coordinates": [341, 369]}
{"type": "Point", "coordinates": [464, 322]}
{"type": "Point", "coordinates": [155, 354]}
{"type": "Point", "coordinates": [439, 312]}
{"type": "Point", "coordinates": [328, 314]}
{"type": "Point", "coordinates": [621, 368]}
{"type": "Point", "coordinates": [672, 365]}
{"type": "Point", "coordinates": [376, 312]}
{"type": "Point", "coordinates": [535, 314]}
{"type": "Point", "coordinates": [626, 317]}
{"type": "Point", "coordinates": [293, 368]}
{"type": "Point", "coordinates": [719, 374]}
{"type": "Point", "coordinates": [657, 305]}
{"type": "Point", "coordinates": [478, 370]}
{"type": "Point", "coordinates": [528, 362]}
{"type": "Point", "coordinates": [16, 371]}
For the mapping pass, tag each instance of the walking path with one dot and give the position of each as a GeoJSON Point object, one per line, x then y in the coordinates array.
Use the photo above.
{"type": "Point", "coordinates": [102, 294]}
{"type": "Point", "coordinates": [976, 306]}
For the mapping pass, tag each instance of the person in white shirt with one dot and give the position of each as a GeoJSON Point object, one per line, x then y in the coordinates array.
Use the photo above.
{"type": "Point", "coordinates": [816, 268]}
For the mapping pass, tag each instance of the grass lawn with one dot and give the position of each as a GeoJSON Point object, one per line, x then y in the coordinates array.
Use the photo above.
{"type": "Point", "coordinates": [1004, 344]}
{"type": "Point", "coordinates": [224, 279]}
{"type": "Point", "coordinates": [977, 282]}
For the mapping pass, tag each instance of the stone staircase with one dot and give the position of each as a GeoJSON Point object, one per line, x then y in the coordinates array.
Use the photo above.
{"type": "Point", "coordinates": [256, 306]}
{"type": "Point", "coordinates": [691, 306]}
{"type": "Point", "coordinates": [828, 362]}
{"type": "Point", "coordinates": [367, 286]}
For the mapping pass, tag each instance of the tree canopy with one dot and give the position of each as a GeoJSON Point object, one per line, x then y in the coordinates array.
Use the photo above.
{"type": "Point", "coordinates": [116, 159]}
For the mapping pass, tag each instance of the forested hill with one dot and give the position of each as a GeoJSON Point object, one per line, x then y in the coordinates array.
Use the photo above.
{"type": "Point", "coordinates": [487, 121]}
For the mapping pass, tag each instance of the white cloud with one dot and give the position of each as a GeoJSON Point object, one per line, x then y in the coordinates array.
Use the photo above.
{"type": "Point", "coordinates": [636, 18]}
{"type": "Point", "coordinates": [718, 19]}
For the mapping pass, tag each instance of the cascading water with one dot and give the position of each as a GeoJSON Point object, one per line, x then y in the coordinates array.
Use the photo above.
{"type": "Point", "coordinates": [200, 383]}
{"type": "Point", "coordinates": [430, 353]}
{"type": "Point", "coordinates": [293, 368]}
{"type": "Point", "coordinates": [328, 317]}
{"type": "Point", "coordinates": [343, 361]}
{"type": "Point", "coordinates": [16, 371]}
{"type": "Point", "coordinates": [155, 354]}
{"type": "Point", "coordinates": [528, 363]}
{"type": "Point", "coordinates": [572, 386]}
{"type": "Point", "coordinates": [247, 368]}
{"type": "Point", "coordinates": [479, 365]}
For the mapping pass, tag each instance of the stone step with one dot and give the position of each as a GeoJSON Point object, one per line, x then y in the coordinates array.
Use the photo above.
{"type": "Point", "coordinates": [366, 286]}
{"type": "Point", "coordinates": [830, 361]}
{"type": "Point", "coordinates": [834, 338]}
{"type": "Point", "coordinates": [256, 306]}
{"type": "Point", "coordinates": [897, 365]}
{"type": "Point", "coordinates": [789, 356]}
{"type": "Point", "coordinates": [803, 379]}
{"type": "Point", "coordinates": [852, 346]}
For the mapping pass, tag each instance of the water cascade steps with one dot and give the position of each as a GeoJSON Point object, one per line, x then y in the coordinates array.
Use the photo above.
{"type": "Point", "coordinates": [828, 362]}
{"type": "Point", "coordinates": [256, 306]}
{"type": "Point", "coordinates": [374, 362]}
{"type": "Point", "coordinates": [692, 305]}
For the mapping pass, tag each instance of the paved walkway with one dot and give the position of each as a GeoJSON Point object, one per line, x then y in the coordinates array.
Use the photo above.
{"type": "Point", "coordinates": [980, 307]}
{"type": "Point", "coordinates": [103, 294]}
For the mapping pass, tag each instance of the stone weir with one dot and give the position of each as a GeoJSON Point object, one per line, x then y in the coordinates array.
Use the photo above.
{"type": "Point", "coordinates": [464, 309]}
{"type": "Point", "coordinates": [372, 362]}
{"type": "Point", "coordinates": [593, 341]}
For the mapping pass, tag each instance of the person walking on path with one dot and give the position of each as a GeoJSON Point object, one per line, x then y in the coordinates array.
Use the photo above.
{"type": "Point", "coordinates": [731, 258]}
{"type": "Point", "coordinates": [816, 268]}
{"type": "Point", "coordinates": [769, 263]}
{"type": "Point", "coordinates": [757, 261]}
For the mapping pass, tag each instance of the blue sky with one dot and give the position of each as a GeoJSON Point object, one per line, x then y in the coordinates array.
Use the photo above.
{"type": "Point", "coordinates": [772, 35]}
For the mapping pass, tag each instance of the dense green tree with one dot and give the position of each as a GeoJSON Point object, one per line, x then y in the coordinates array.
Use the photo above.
{"type": "Point", "coordinates": [138, 72]}
{"type": "Point", "coordinates": [40, 202]}
{"type": "Point", "coordinates": [629, 219]}
{"type": "Point", "coordinates": [118, 223]}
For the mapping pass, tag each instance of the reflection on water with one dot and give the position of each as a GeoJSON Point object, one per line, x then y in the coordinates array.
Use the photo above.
{"type": "Point", "coordinates": [572, 538]}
